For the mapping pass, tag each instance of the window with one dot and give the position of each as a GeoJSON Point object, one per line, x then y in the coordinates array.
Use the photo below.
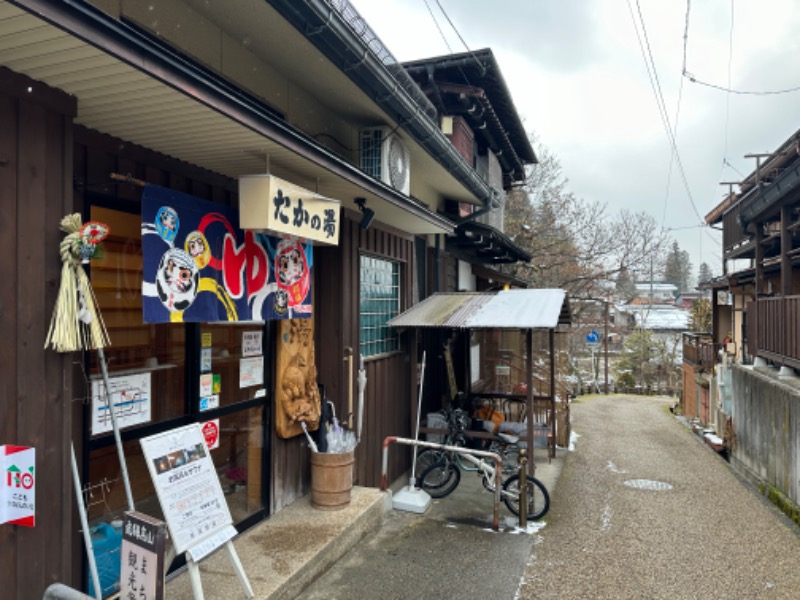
{"type": "Point", "coordinates": [380, 301]}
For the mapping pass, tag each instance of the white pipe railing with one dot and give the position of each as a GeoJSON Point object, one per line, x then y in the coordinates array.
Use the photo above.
{"type": "Point", "coordinates": [498, 460]}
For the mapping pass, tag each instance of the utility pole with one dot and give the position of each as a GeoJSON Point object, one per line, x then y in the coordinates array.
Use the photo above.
{"type": "Point", "coordinates": [605, 343]}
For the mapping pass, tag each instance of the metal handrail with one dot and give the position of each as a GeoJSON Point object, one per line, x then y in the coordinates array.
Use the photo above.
{"type": "Point", "coordinates": [459, 450]}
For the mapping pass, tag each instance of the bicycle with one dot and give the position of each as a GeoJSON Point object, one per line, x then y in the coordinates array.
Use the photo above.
{"type": "Point", "coordinates": [506, 445]}
{"type": "Point", "coordinates": [458, 422]}
{"type": "Point", "coordinates": [442, 478]}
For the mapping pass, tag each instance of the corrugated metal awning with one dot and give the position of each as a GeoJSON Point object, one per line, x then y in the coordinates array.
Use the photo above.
{"type": "Point", "coordinates": [507, 309]}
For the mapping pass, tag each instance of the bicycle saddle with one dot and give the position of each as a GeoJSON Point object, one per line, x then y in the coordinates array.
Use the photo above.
{"type": "Point", "coordinates": [508, 438]}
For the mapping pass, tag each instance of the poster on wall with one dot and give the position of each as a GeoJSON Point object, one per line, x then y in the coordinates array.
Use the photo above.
{"type": "Point", "coordinates": [130, 395]}
{"type": "Point", "coordinates": [251, 343]}
{"type": "Point", "coordinates": [198, 267]}
{"type": "Point", "coordinates": [188, 490]}
{"type": "Point", "coordinates": [18, 485]}
{"type": "Point", "coordinates": [251, 371]}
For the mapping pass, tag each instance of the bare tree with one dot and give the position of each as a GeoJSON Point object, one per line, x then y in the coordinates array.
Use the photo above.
{"type": "Point", "coordinates": [575, 244]}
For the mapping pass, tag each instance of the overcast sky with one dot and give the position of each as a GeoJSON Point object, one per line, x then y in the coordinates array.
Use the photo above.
{"type": "Point", "coordinates": [579, 79]}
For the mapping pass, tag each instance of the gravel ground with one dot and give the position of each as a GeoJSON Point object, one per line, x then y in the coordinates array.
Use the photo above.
{"type": "Point", "coordinates": [644, 509]}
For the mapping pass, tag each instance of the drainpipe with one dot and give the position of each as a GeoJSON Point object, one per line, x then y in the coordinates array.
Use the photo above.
{"type": "Point", "coordinates": [438, 252]}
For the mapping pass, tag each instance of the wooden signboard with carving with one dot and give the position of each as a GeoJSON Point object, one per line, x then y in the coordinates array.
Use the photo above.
{"type": "Point", "coordinates": [296, 395]}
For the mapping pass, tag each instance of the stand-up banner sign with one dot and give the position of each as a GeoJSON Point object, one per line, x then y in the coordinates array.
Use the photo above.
{"type": "Point", "coordinates": [188, 490]}
{"type": "Point", "coordinates": [18, 485]}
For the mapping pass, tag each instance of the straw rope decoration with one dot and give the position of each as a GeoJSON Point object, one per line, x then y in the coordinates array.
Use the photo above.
{"type": "Point", "coordinates": [76, 323]}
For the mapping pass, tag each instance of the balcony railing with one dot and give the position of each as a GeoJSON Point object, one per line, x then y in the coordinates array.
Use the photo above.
{"type": "Point", "coordinates": [698, 350]}
{"type": "Point", "coordinates": [773, 330]}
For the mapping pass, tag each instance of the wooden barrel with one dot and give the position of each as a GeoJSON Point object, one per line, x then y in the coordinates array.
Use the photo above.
{"type": "Point", "coordinates": [331, 479]}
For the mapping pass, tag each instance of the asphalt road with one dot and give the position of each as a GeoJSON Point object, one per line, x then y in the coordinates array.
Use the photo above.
{"type": "Point", "coordinates": [643, 509]}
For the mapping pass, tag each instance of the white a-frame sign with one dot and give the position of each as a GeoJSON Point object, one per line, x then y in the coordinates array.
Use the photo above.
{"type": "Point", "coordinates": [191, 497]}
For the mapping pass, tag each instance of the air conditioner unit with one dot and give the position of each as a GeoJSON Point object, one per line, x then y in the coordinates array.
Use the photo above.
{"type": "Point", "coordinates": [385, 156]}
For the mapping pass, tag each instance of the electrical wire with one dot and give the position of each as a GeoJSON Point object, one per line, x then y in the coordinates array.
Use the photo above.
{"type": "Point", "coordinates": [728, 89]}
{"type": "Point", "coordinates": [693, 79]}
{"type": "Point", "coordinates": [446, 16]}
{"type": "Point", "coordinates": [655, 84]}
{"type": "Point", "coordinates": [738, 172]}
{"type": "Point", "coordinates": [435, 22]}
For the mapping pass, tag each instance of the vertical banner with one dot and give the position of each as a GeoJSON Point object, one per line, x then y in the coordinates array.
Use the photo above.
{"type": "Point", "coordinates": [199, 267]}
{"type": "Point", "coordinates": [18, 485]}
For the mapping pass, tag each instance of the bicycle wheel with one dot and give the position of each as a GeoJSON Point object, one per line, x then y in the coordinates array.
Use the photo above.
{"type": "Point", "coordinates": [425, 458]}
{"type": "Point", "coordinates": [538, 499]}
{"type": "Point", "coordinates": [440, 479]}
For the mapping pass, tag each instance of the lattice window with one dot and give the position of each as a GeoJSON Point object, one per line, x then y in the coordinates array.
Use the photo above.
{"type": "Point", "coordinates": [380, 301]}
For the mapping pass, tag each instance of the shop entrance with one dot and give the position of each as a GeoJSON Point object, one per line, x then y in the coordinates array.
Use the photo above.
{"type": "Point", "coordinates": [172, 374]}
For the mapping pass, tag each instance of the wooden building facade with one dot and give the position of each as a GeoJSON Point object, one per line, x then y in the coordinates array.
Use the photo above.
{"type": "Point", "coordinates": [96, 99]}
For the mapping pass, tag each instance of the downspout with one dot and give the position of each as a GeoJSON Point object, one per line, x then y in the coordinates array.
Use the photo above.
{"type": "Point", "coordinates": [438, 251]}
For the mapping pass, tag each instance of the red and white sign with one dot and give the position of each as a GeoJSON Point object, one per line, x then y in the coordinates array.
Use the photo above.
{"type": "Point", "coordinates": [211, 433]}
{"type": "Point", "coordinates": [17, 485]}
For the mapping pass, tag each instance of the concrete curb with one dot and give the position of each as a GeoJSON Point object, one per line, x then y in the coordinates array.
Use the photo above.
{"type": "Point", "coordinates": [284, 554]}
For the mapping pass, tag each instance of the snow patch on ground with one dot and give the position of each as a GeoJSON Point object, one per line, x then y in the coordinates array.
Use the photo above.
{"type": "Point", "coordinates": [511, 525]}
{"type": "Point", "coordinates": [606, 518]}
{"type": "Point", "coordinates": [648, 484]}
{"type": "Point", "coordinates": [613, 468]}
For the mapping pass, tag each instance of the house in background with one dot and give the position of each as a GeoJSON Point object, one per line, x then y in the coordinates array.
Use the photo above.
{"type": "Point", "coordinates": [686, 299]}
{"type": "Point", "coordinates": [652, 292]}
{"type": "Point", "coordinates": [101, 97]}
{"type": "Point", "coordinates": [751, 358]}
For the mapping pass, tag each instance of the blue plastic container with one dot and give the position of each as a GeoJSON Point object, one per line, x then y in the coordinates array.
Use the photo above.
{"type": "Point", "coordinates": [107, 543]}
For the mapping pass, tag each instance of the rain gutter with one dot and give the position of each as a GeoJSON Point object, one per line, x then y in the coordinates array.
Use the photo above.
{"type": "Point", "coordinates": [769, 195]}
{"type": "Point", "coordinates": [323, 24]}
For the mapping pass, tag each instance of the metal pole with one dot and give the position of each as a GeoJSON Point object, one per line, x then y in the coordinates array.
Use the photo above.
{"type": "Point", "coordinates": [413, 481]}
{"type": "Point", "coordinates": [605, 343]}
{"type": "Point", "coordinates": [523, 489]}
{"type": "Point", "coordinates": [87, 536]}
{"type": "Point", "coordinates": [120, 451]}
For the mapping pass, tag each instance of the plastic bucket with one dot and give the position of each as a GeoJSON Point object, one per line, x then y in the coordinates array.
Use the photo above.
{"type": "Point", "coordinates": [331, 479]}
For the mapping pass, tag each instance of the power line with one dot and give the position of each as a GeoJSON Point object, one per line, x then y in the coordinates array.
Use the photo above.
{"type": "Point", "coordinates": [650, 64]}
{"type": "Point", "coordinates": [738, 172]}
{"type": "Point", "coordinates": [435, 22]}
{"type": "Point", "coordinates": [446, 43]}
{"type": "Point", "coordinates": [693, 79]}
{"type": "Point", "coordinates": [728, 89]}
{"type": "Point", "coordinates": [446, 16]}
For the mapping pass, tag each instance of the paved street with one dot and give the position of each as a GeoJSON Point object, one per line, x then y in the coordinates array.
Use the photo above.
{"type": "Point", "coordinates": [450, 552]}
{"type": "Point", "coordinates": [643, 510]}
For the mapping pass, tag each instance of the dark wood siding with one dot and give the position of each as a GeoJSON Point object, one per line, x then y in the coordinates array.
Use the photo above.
{"type": "Point", "coordinates": [389, 395]}
{"type": "Point", "coordinates": [35, 400]}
